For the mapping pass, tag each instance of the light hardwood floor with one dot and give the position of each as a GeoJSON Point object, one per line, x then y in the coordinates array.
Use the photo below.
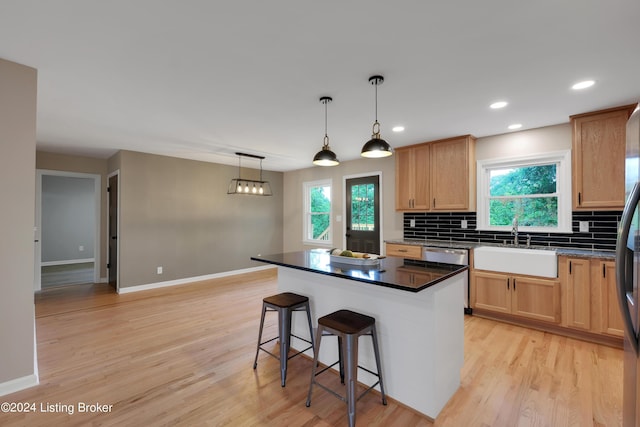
{"type": "Point", "coordinates": [184, 355]}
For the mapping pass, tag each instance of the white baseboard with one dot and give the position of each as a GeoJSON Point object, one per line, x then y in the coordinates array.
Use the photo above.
{"type": "Point", "coordinates": [18, 384]}
{"type": "Point", "coordinates": [187, 280]}
{"type": "Point", "coordinates": [68, 261]}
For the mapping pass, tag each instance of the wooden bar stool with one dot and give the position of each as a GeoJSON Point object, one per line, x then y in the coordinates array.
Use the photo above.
{"type": "Point", "coordinates": [348, 326]}
{"type": "Point", "coordinates": [285, 304]}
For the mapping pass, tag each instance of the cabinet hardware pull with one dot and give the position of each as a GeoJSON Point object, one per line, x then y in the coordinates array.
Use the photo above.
{"type": "Point", "coordinates": [508, 283]}
{"type": "Point", "coordinates": [569, 267]}
{"type": "Point", "coordinates": [514, 283]}
{"type": "Point", "coordinates": [604, 270]}
{"type": "Point", "coordinates": [403, 250]}
{"type": "Point", "coordinates": [579, 198]}
{"type": "Point", "coordinates": [434, 202]}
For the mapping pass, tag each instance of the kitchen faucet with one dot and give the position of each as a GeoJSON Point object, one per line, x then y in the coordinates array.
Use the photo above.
{"type": "Point", "coordinates": [514, 230]}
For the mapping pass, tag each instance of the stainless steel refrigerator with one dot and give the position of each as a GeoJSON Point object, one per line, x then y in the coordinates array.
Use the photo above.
{"type": "Point", "coordinates": [628, 275]}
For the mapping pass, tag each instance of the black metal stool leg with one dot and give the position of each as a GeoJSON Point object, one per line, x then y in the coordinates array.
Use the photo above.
{"type": "Point", "coordinates": [374, 336]}
{"type": "Point", "coordinates": [284, 328]}
{"type": "Point", "coordinates": [314, 366]}
{"type": "Point", "coordinates": [264, 311]}
{"type": "Point", "coordinates": [308, 309]}
{"type": "Point", "coordinates": [341, 358]}
{"type": "Point", "coordinates": [351, 371]}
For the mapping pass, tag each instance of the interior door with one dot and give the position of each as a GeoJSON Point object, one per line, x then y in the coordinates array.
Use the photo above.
{"type": "Point", "coordinates": [112, 264]}
{"type": "Point", "coordinates": [363, 214]}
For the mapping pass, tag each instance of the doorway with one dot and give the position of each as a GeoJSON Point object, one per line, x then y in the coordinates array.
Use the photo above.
{"type": "Point", "coordinates": [67, 229]}
{"type": "Point", "coordinates": [362, 213]}
{"type": "Point", "coordinates": [112, 232]}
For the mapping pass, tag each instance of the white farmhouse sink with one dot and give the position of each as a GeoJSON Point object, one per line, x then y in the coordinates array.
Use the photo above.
{"type": "Point", "coordinates": [533, 262]}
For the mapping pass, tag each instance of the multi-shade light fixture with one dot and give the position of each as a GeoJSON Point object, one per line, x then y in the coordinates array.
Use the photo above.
{"type": "Point", "coordinates": [376, 147]}
{"type": "Point", "coordinates": [250, 187]}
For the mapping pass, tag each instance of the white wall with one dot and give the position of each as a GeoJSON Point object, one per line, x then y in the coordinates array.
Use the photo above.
{"type": "Point", "coordinates": [18, 86]}
{"type": "Point", "coordinates": [533, 141]}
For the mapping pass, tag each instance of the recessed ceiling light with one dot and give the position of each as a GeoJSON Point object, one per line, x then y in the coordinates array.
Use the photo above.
{"type": "Point", "coordinates": [583, 85]}
{"type": "Point", "coordinates": [515, 126]}
{"type": "Point", "coordinates": [398, 128]}
{"type": "Point", "coordinates": [499, 104]}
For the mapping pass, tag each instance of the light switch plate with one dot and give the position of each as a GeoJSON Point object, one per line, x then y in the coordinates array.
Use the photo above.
{"type": "Point", "coordinates": [463, 223]}
{"type": "Point", "coordinates": [412, 223]}
{"type": "Point", "coordinates": [584, 226]}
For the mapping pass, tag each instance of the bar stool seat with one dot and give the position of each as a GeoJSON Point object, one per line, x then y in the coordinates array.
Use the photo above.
{"type": "Point", "coordinates": [348, 326]}
{"type": "Point", "coordinates": [285, 304]}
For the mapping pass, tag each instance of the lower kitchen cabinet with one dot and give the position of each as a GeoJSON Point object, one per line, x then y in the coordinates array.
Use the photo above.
{"type": "Point", "coordinates": [524, 296]}
{"type": "Point", "coordinates": [578, 291]}
{"type": "Point", "coordinates": [581, 302]}
{"type": "Point", "coordinates": [611, 316]}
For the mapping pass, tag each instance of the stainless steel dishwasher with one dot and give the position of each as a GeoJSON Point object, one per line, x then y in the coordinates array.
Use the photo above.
{"type": "Point", "coordinates": [450, 256]}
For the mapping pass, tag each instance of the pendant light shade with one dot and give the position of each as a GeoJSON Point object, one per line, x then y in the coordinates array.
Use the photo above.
{"type": "Point", "coordinates": [325, 157]}
{"type": "Point", "coordinates": [376, 147]}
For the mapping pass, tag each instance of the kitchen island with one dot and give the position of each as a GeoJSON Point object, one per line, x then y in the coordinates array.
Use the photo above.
{"type": "Point", "coordinates": [418, 309]}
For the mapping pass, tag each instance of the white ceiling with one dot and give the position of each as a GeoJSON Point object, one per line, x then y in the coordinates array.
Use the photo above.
{"type": "Point", "coordinates": [204, 79]}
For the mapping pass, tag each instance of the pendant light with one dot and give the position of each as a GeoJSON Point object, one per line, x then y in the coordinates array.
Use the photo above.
{"type": "Point", "coordinates": [252, 187]}
{"type": "Point", "coordinates": [376, 147]}
{"type": "Point", "coordinates": [325, 157]}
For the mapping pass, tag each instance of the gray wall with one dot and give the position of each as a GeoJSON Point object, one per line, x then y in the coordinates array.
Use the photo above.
{"type": "Point", "coordinates": [176, 213]}
{"type": "Point", "coordinates": [68, 218]}
{"type": "Point", "coordinates": [18, 89]}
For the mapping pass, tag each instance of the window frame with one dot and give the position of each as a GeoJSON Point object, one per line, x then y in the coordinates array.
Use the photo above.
{"type": "Point", "coordinates": [563, 189]}
{"type": "Point", "coordinates": [306, 214]}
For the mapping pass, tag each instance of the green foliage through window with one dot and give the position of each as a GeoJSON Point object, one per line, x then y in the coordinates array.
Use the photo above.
{"type": "Point", "coordinates": [319, 212]}
{"type": "Point", "coordinates": [528, 193]}
{"type": "Point", "coordinates": [362, 207]}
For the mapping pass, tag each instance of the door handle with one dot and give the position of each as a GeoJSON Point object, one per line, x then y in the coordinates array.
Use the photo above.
{"type": "Point", "coordinates": [621, 262]}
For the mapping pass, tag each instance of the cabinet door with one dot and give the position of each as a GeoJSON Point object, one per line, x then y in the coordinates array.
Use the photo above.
{"type": "Point", "coordinates": [404, 179]}
{"type": "Point", "coordinates": [492, 291]}
{"type": "Point", "coordinates": [578, 282]}
{"type": "Point", "coordinates": [412, 178]}
{"type": "Point", "coordinates": [598, 159]}
{"type": "Point", "coordinates": [450, 175]}
{"type": "Point", "coordinates": [536, 298]}
{"type": "Point", "coordinates": [421, 165]}
{"type": "Point", "coordinates": [611, 317]}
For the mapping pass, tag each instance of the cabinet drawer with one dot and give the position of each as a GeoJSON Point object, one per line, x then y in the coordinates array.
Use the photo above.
{"type": "Point", "coordinates": [404, 251]}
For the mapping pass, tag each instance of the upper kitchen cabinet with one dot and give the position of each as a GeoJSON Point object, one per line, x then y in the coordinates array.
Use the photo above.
{"type": "Point", "coordinates": [412, 178]}
{"type": "Point", "coordinates": [437, 176]}
{"type": "Point", "coordinates": [598, 157]}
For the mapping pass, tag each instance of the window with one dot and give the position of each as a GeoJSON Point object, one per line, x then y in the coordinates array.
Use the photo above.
{"type": "Point", "coordinates": [317, 212]}
{"type": "Point", "coordinates": [363, 207]}
{"type": "Point", "coordinates": [535, 189]}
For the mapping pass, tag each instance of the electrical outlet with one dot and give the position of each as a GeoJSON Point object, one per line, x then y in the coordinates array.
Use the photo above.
{"type": "Point", "coordinates": [81, 248]}
{"type": "Point", "coordinates": [463, 223]}
{"type": "Point", "coordinates": [159, 270]}
{"type": "Point", "coordinates": [412, 223]}
{"type": "Point", "coordinates": [584, 226]}
{"type": "Point", "coordinates": [338, 218]}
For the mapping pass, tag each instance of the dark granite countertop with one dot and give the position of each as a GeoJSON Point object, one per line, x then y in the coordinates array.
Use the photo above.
{"type": "Point", "coordinates": [585, 253]}
{"type": "Point", "coordinates": [392, 272]}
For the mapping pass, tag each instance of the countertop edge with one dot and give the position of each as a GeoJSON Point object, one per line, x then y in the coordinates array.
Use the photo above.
{"type": "Point", "coordinates": [585, 253]}
{"type": "Point", "coordinates": [366, 281]}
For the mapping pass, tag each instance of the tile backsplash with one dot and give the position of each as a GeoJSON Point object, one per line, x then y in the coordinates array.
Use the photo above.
{"type": "Point", "coordinates": [603, 227]}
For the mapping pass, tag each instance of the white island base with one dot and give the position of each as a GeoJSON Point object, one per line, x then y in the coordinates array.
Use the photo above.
{"type": "Point", "coordinates": [421, 334]}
